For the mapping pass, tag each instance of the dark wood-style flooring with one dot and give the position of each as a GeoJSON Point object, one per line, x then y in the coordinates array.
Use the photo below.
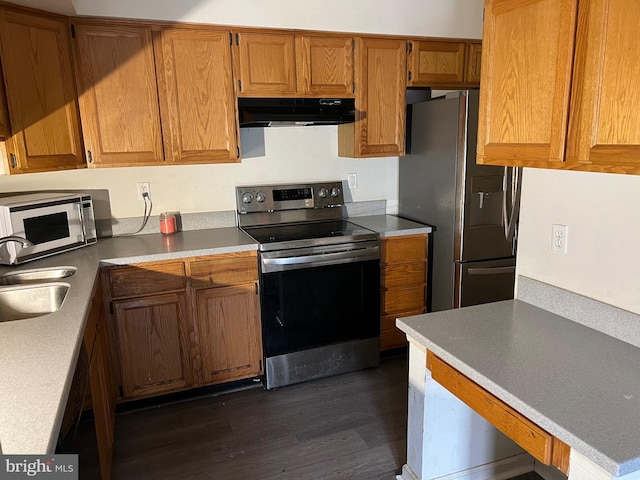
{"type": "Point", "coordinates": [351, 426]}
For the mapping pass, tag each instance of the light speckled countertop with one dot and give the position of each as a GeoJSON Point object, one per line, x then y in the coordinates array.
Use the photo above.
{"type": "Point", "coordinates": [390, 225]}
{"type": "Point", "coordinates": [578, 384]}
{"type": "Point", "coordinates": [38, 356]}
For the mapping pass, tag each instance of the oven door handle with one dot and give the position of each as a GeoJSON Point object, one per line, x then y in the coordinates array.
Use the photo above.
{"type": "Point", "coordinates": [319, 259]}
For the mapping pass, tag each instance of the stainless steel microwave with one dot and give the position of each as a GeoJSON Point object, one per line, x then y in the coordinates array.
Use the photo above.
{"type": "Point", "coordinates": [52, 222]}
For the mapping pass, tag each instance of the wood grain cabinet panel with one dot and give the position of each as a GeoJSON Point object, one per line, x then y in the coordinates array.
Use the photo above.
{"type": "Point", "coordinates": [526, 78]}
{"type": "Point", "coordinates": [228, 331]}
{"type": "Point", "coordinates": [153, 344]}
{"type": "Point", "coordinates": [325, 66]}
{"type": "Point", "coordinates": [41, 93]}
{"type": "Point", "coordinates": [147, 279]}
{"type": "Point", "coordinates": [265, 64]}
{"type": "Point", "coordinates": [604, 127]}
{"type": "Point", "coordinates": [119, 95]}
{"type": "Point", "coordinates": [403, 270]}
{"type": "Point", "coordinates": [224, 270]}
{"type": "Point", "coordinates": [195, 87]}
{"type": "Point", "coordinates": [473, 63]}
{"type": "Point", "coordinates": [436, 64]}
{"type": "Point", "coordinates": [379, 130]}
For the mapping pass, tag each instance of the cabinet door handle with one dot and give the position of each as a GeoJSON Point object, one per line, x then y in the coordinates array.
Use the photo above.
{"type": "Point", "coordinates": [14, 160]}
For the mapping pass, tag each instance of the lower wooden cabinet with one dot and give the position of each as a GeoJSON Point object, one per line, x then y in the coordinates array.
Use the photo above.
{"type": "Point", "coordinates": [153, 344]}
{"type": "Point", "coordinates": [185, 323]}
{"type": "Point", "coordinates": [228, 333]}
{"type": "Point", "coordinates": [403, 269]}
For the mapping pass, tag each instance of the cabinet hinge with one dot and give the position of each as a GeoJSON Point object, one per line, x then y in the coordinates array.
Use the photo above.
{"type": "Point", "coordinates": [230, 38]}
{"type": "Point", "coordinates": [240, 85]}
{"type": "Point", "coordinates": [73, 30]}
{"type": "Point", "coordinates": [260, 365]}
{"type": "Point", "coordinates": [14, 160]}
{"type": "Point", "coordinates": [410, 75]}
{"type": "Point", "coordinates": [237, 151]}
{"type": "Point", "coordinates": [89, 156]}
{"type": "Point", "coordinates": [237, 39]}
{"type": "Point", "coordinates": [409, 47]}
{"type": "Point", "coordinates": [257, 290]}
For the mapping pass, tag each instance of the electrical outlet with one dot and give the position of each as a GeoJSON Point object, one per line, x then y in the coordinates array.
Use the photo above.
{"type": "Point", "coordinates": [352, 179]}
{"type": "Point", "coordinates": [143, 187]}
{"type": "Point", "coordinates": [559, 238]}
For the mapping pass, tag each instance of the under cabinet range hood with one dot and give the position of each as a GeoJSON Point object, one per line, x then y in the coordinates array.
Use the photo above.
{"type": "Point", "coordinates": [287, 112]}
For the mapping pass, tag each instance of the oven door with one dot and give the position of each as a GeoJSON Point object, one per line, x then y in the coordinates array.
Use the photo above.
{"type": "Point", "coordinates": [313, 297]}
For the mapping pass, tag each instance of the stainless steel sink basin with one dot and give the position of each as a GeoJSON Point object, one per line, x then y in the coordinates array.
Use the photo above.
{"type": "Point", "coordinates": [36, 275]}
{"type": "Point", "coordinates": [29, 301]}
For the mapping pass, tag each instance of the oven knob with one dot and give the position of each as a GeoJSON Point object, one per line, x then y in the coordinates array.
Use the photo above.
{"type": "Point", "coordinates": [261, 197]}
{"type": "Point", "coordinates": [323, 192]}
{"type": "Point", "coordinates": [247, 197]}
{"type": "Point", "coordinates": [335, 191]}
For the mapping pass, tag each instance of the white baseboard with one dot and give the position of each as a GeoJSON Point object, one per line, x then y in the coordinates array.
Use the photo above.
{"type": "Point", "coordinates": [500, 470]}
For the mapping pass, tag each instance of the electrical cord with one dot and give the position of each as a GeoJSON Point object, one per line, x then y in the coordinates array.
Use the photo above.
{"type": "Point", "coordinates": [145, 215]}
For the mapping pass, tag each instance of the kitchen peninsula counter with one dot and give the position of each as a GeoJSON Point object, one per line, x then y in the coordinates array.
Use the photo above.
{"type": "Point", "coordinates": [580, 385]}
{"type": "Point", "coordinates": [38, 355]}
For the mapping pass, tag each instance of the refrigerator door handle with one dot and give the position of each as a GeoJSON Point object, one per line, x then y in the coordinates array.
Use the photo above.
{"type": "Point", "coordinates": [491, 270]}
{"type": "Point", "coordinates": [511, 200]}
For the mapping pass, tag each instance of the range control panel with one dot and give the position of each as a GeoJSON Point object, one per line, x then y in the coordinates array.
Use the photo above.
{"type": "Point", "coordinates": [269, 198]}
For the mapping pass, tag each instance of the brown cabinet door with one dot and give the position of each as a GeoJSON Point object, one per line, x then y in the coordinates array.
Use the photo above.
{"type": "Point", "coordinates": [379, 130]}
{"type": "Point", "coordinates": [326, 66]}
{"type": "Point", "coordinates": [41, 93]}
{"type": "Point", "coordinates": [527, 57]}
{"type": "Point", "coordinates": [153, 344]}
{"type": "Point", "coordinates": [229, 333]}
{"type": "Point", "coordinates": [119, 99]}
{"type": "Point", "coordinates": [604, 129]}
{"type": "Point", "coordinates": [266, 64]}
{"type": "Point", "coordinates": [196, 95]}
{"type": "Point", "coordinates": [473, 62]}
{"type": "Point", "coordinates": [436, 64]}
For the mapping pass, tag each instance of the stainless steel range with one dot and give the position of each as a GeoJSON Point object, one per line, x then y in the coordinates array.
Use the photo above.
{"type": "Point", "coordinates": [319, 278]}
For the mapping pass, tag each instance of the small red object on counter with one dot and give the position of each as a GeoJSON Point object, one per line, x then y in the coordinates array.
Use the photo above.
{"type": "Point", "coordinates": [167, 223]}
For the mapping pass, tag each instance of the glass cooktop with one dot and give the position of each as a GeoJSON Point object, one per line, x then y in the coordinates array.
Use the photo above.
{"type": "Point", "coordinates": [308, 234]}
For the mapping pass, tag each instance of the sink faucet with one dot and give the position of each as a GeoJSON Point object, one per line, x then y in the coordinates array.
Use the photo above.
{"type": "Point", "coordinates": [14, 238]}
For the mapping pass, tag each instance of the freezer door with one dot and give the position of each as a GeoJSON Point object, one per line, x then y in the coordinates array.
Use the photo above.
{"type": "Point", "coordinates": [484, 282]}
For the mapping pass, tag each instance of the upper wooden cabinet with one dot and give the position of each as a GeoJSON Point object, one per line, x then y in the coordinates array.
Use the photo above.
{"type": "Point", "coordinates": [41, 93]}
{"type": "Point", "coordinates": [443, 64]}
{"type": "Point", "coordinates": [379, 130]}
{"type": "Point", "coordinates": [284, 65]}
{"type": "Point", "coordinates": [119, 97]}
{"type": "Point", "coordinates": [557, 85]}
{"type": "Point", "coordinates": [197, 103]}
{"type": "Point", "coordinates": [325, 66]}
{"type": "Point", "coordinates": [265, 64]}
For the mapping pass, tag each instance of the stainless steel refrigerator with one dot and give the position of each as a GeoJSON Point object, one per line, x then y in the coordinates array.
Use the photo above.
{"type": "Point", "coordinates": [472, 207]}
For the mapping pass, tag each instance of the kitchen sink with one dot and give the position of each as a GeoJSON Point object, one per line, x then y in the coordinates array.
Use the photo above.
{"type": "Point", "coordinates": [36, 275]}
{"type": "Point", "coordinates": [29, 301]}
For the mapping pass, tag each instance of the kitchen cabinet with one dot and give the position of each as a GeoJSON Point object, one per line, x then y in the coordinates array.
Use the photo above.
{"type": "Point", "coordinates": [151, 328]}
{"type": "Point", "coordinates": [41, 93]}
{"type": "Point", "coordinates": [283, 64]}
{"type": "Point", "coordinates": [325, 66]}
{"type": "Point", "coordinates": [403, 270]}
{"type": "Point", "coordinates": [197, 103]}
{"type": "Point", "coordinates": [443, 64]}
{"type": "Point", "coordinates": [556, 85]}
{"type": "Point", "coordinates": [100, 380]}
{"type": "Point", "coordinates": [227, 316]}
{"type": "Point", "coordinates": [119, 97]}
{"type": "Point", "coordinates": [379, 129]}
{"type": "Point", "coordinates": [5, 125]}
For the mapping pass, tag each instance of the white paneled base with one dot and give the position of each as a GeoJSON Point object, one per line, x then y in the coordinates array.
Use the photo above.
{"type": "Point", "coordinates": [549, 473]}
{"type": "Point", "coordinates": [500, 470]}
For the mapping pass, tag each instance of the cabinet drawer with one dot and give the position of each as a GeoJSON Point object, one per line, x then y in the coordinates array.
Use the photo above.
{"type": "Point", "coordinates": [406, 275]}
{"type": "Point", "coordinates": [403, 300]}
{"type": "Point", "coordinates": [390, 335]}
{"type": "Point", "coordinates": [538, 442]}
{"type": "Point", "coordinates": [411, 248]}
{"type": "Point", "coordinates": [223, 270]}
{"type": "Point", "coordinates": [147, 278]}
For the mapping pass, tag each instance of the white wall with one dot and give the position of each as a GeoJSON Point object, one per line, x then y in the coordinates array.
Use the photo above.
{"type": "Point", "coordinates": [601, 210]}
{"type": "Point", "coordinates": [291, 154]}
